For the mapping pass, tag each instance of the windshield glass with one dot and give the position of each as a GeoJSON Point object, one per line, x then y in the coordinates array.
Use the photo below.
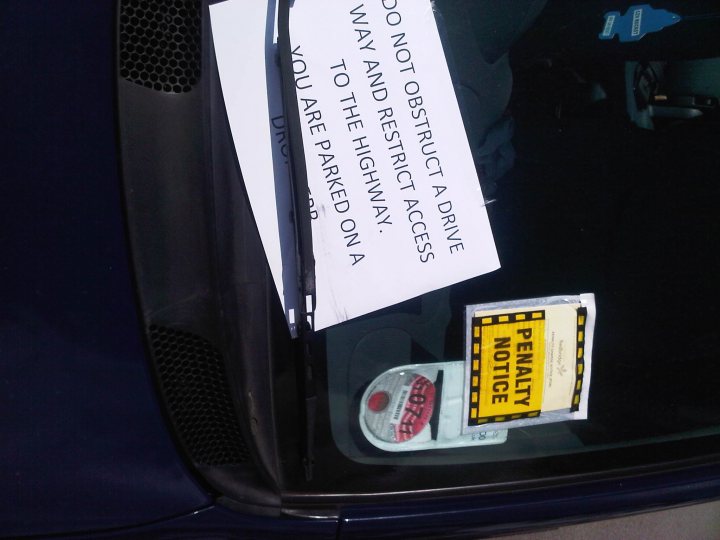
{"type": "Point", "coordinates": [598, 163]}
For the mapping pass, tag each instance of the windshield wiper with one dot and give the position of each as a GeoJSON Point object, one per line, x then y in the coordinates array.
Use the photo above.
{"type": "Point", "coordinates": [303, 238]}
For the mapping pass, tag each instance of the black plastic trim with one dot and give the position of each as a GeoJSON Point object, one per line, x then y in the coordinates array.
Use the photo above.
{"type": "Point", "coordinates": [199, 266]}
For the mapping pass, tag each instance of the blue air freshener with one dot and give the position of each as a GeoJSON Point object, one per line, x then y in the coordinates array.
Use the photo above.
{"type": "Point", "coordinates": [637, 22]}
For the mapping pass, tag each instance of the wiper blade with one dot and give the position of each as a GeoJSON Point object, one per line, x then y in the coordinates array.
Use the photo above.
{"type": "Point", "coordinates": [303, 237]}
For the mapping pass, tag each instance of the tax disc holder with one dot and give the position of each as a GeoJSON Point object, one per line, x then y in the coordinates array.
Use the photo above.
{"type": "Point", "coordinates": [419, 407]}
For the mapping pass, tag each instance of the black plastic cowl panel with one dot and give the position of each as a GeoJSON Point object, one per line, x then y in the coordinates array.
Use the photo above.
{"type": "Point", "coordinates": [202, 281]}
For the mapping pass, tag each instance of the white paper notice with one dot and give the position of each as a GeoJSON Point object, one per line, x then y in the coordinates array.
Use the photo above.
{"type": "Point", "coordinates": [398, 209]}
{"type": "Point", "coordinates": [244, 36]}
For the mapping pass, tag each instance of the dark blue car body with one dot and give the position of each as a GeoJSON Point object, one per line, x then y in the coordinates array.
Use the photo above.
{"type": "Point", "coordinates": [85, 448]}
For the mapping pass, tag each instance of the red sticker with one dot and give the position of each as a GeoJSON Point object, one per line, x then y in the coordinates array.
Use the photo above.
{"type": "Point", "coordinates": [379, 401]}
{"type": "Point", "coordinates": [399, 406]}
{"type": "Point", "coordinates": [416, 409]}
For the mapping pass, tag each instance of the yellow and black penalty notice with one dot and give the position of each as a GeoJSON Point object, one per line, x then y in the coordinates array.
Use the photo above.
{"type": "Point", "coordinates": [528, 362]}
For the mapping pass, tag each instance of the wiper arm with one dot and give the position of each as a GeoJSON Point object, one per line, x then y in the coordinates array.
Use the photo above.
{"type": "Point", "coordinates": [303, 237]}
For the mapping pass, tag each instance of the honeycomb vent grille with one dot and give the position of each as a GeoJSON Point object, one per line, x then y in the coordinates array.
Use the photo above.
{"type": "Point", "coordinates": [160, 43]}
{"type": "Point", "coordinates": [196, 391]}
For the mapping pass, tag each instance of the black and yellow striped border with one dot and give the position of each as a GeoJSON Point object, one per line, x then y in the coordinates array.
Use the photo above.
{"type": "Point", "coordinates": [476, 347]}
{"type": "Point", "coordinates": [580, 358]}
{"type": "Point", "coordinates": [505, 318]}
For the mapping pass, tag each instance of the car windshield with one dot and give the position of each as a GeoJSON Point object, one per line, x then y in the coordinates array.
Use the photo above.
{"type": "Point", "coordinates": [598, 160]}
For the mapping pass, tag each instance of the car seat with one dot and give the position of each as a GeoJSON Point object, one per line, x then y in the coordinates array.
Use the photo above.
{"type": "Point", "coordinates": [478, 36]}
